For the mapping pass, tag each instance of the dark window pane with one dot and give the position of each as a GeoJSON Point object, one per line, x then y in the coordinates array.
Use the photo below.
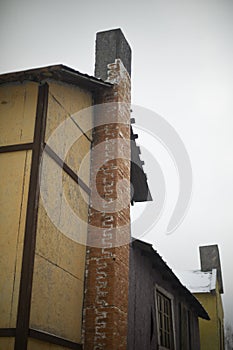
{"type": "Point", "coordinates": [165, 320]}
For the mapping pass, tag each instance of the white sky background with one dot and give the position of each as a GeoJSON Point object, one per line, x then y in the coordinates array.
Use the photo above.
{"type": "Point", "coordinates": [182, 70]}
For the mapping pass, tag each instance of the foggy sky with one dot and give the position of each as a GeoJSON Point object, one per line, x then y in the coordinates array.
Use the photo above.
{"type": "Point", "coordinates": [182, 70]}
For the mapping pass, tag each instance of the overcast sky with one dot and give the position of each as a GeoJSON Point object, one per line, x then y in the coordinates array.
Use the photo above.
{"type": "Point", "coordinates": [182, 70]}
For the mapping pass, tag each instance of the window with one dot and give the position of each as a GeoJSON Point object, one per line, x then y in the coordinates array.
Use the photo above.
{"type": "Point", "coordinates": [164, 320]}
{"type": "Point", "coordinates": [185, 328]}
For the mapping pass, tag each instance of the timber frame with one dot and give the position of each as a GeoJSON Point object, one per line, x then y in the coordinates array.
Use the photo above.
{"type": "Point", "coordinates": [23, 332]}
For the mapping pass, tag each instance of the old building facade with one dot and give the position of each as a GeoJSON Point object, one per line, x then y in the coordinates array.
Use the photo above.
{"type": "Point", "coordinates": [163, 314]}
{"type": "Point", "coordinates": [68, 266]}
{"type": "Point", "coordinates": [206, 285]}
{"type": "Point", "coordinates": [55, 292]}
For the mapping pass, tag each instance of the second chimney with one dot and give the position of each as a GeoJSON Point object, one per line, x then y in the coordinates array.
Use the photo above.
{"type": "Point", "coordinates": [210, 259]}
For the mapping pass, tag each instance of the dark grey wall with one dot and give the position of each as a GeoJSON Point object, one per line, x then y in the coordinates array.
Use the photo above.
{"type": "Point", "coordinates": [142, 327]}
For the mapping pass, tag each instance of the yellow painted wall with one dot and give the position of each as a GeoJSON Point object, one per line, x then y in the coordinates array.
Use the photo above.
{"type": "Point", "coordinates": [209, 330]}
{"type": "Point", "coordinates": [58, 281]}
{"type": "Point", "coordinates": [68, 102]}
{"type": "Point", "coordinates": [17, 118]}
{"type": "Point", "coordinates": [14, 174]}
{"type": "Point", "coordinates": [17, 113]}
{"type": "Point", "coordinates": [7, 343]}
{"type": "Point", "coordinates": [34, 344]}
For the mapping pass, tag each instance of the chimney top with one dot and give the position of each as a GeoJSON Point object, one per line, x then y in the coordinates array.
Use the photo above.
{"type": "Point", "coordinates": [210, 259]}
{"type": "Point", "coordinates": [110, 45]}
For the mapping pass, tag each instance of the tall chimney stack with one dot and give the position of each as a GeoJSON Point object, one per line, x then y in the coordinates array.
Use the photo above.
{"type": "Point", "coordinates": [107, 261]}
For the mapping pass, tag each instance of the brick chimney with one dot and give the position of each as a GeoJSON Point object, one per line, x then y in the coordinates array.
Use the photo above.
{"type": "Point", "coordinates": [107, 261]}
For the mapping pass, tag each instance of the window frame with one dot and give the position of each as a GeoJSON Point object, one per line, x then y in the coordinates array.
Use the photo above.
{"type": "Point", "coordinates": [159, 290]}
{"type": "Point", "coordinates": [185, 327]}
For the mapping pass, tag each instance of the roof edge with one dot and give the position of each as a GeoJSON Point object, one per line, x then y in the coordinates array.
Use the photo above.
{"type": "Point", "coordinates": [57, 72]}
{"type": "Point", "coordinates": [193, 300]}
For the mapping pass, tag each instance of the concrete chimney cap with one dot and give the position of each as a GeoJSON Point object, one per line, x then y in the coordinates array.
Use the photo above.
{"type": "Point", "coordinates": [110, 45]}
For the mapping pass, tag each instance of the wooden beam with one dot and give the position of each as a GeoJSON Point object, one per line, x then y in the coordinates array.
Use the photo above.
{"type": "Point", "coordinates": [16, 148]}
{"type": "Point", "coordinates": [24, 304]}
{"type": "Point", "coordinates": [53, 339]}
{"type": "Point", "coordinates": [7, 332]}
{"type": "Point", "coordinates": [67, 169]}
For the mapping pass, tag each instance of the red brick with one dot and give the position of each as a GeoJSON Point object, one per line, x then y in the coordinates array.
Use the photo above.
{"type": "Point", "coordinates": [107, 270]}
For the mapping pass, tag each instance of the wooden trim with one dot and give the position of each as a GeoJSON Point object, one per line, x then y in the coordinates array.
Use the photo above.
{"type": "Point", "coordinates": [67, 169]}
{"type": "Point", "coordinates": [7, 332]}
{"type": "Point", "coordinates": [16, 148]}
{"type": "Point", "coordinates": [42, 336]}
{"type": "Point", "coordinates": [53, 339]}
{"type": "Point", "coordinates": [58, 72]}
{"type": "Point", "coordinates": [24, 304]}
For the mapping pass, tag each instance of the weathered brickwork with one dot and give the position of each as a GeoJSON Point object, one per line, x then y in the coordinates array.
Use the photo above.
{"type": "Point", "coordinates": [107, 262]}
